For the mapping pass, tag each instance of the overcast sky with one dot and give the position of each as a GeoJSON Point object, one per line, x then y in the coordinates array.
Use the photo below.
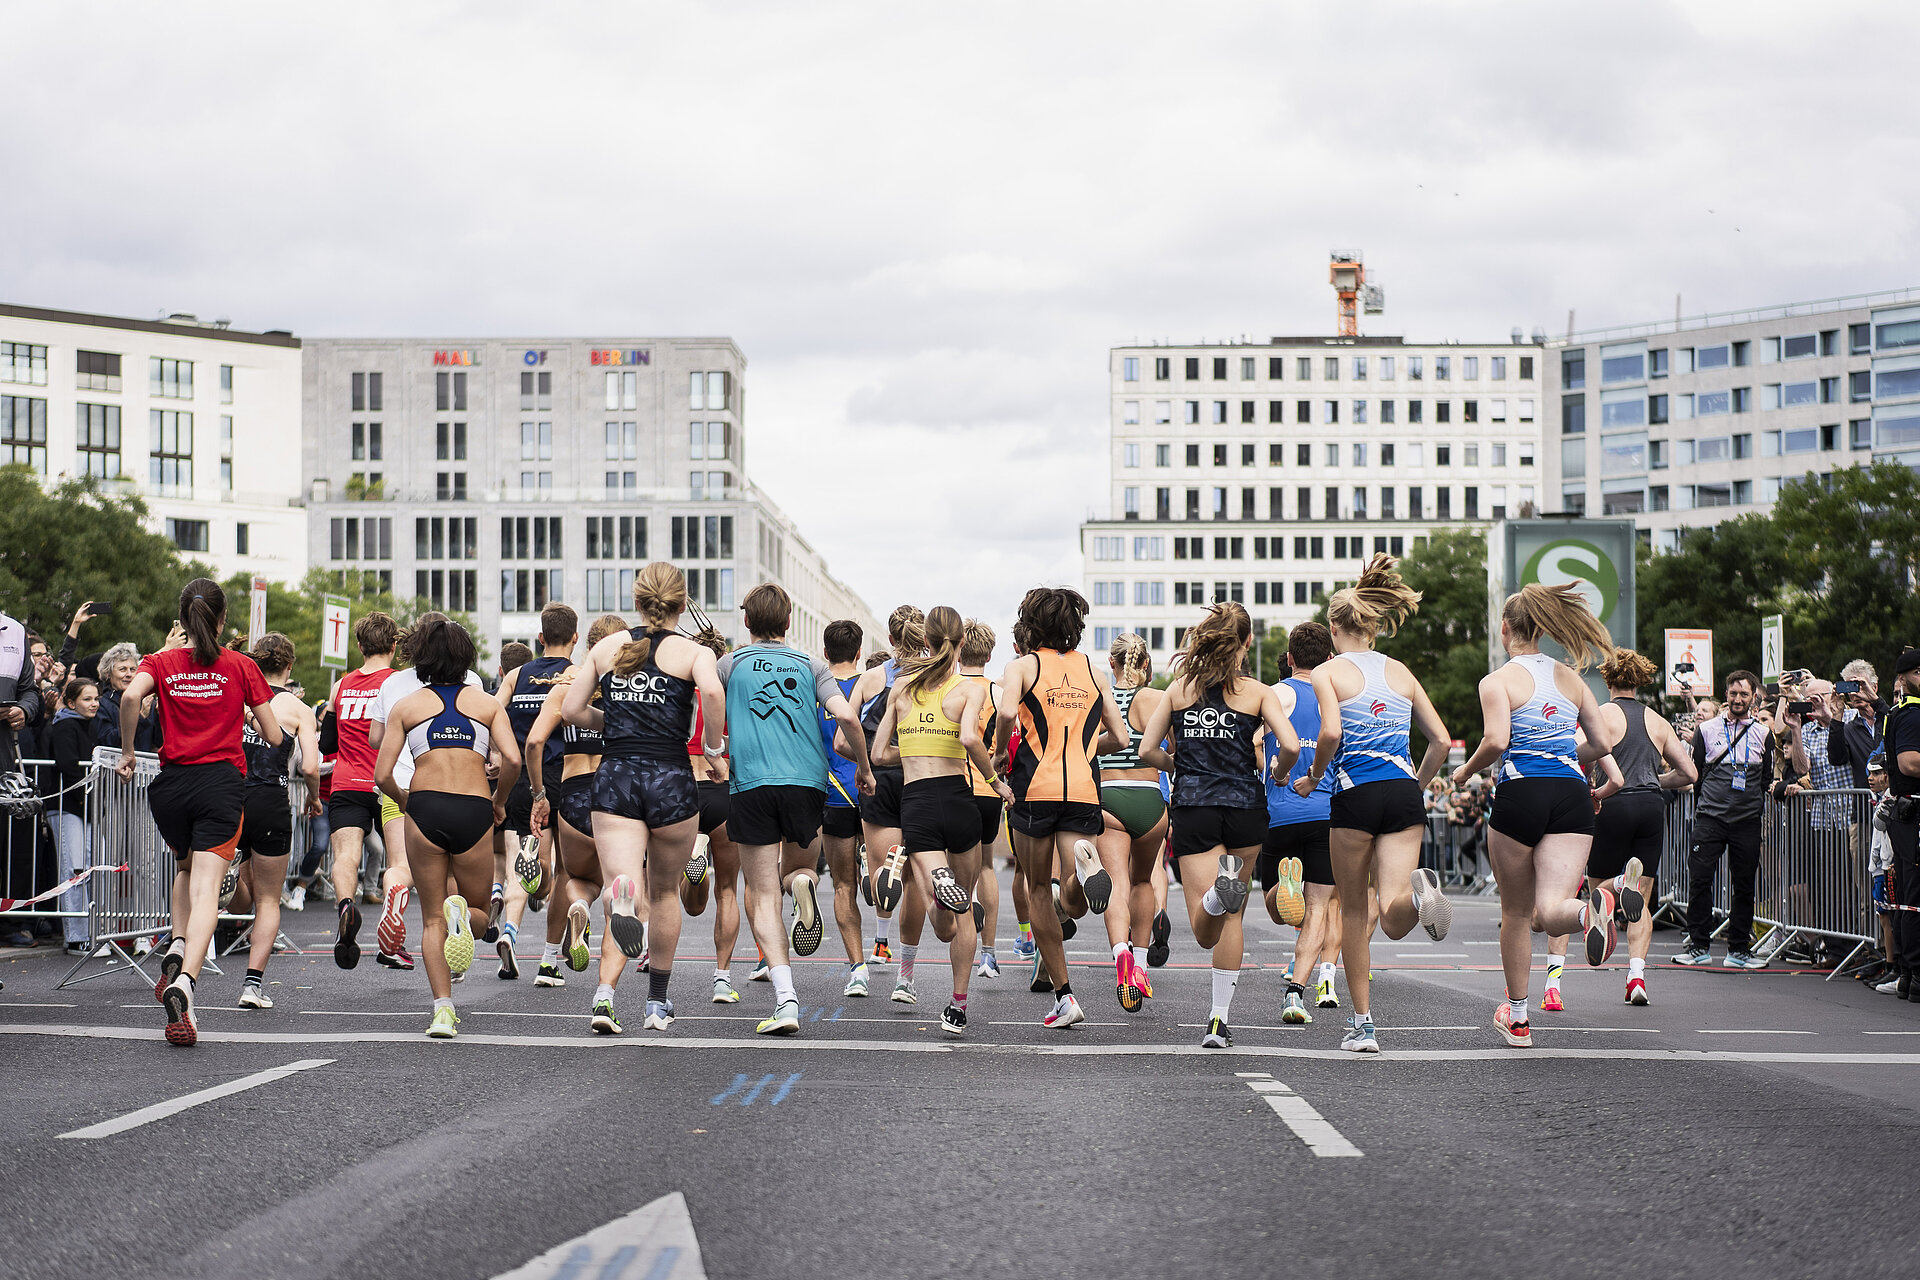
{"type": "Point", "coordinates": [926, 224]}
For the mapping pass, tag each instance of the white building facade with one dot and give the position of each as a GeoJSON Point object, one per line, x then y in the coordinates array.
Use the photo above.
{"type": "Point", "coordinates": [199, 419]}
{"type": "Point", "coordinates": [1687, 423]}
{"type": "Point", "coordinates": [1268, 473]}
{"type": "Point", "coordinates": [491, 476]}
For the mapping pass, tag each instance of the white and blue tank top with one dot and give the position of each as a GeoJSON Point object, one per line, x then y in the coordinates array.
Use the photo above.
{"type": "Point", "coordinates": [1541, 742]}
{"type": "Point", "coordinates": [1374, 728]}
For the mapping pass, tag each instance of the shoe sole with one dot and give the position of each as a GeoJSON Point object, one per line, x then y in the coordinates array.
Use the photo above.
{"type": "Point", "coordinates": [1287, 893]}
{"type": "Point", "coordinates": [170, 966]}
{"type": "Point", "coordinates": [605, 1026]}
{"type": "Point", "coordinates": [1638, 998]}
{"type": "Point", "coordinates": [952, 1030]}
{"type": "Point", "coordinates": [628, 933]}
{"type": "Point", "coordinates": [1436, 913]}
{"type": "Point", "coordinates": [778, 1026]}
{"type": "Point", "coordinates": [948, 893]}
{"type": "Point", "coordinates": [578, 925]}
{"type": "Point", "coordinates": [526, 865]}
{"type": "Point", "coordinates": [888, 888]}
{"type": "Point", "coordinates": [390, 933]}
{"type": "Point", "coordinates": [1096, 884]}
{"type": "Point", "coordinates": [1228, 884]}
{"type": "Point", "coordinates": [656, 1024]}
{"type": "Point", "coordinates": [730, 996]}
{"type": "Point", "coordinates": [509, 963]}
{"type": "Point", "coordinates": [549, 980]}
{"type": "Point", "coordinates": [1215, 1042]}
{"type": "Point", "coordinates": [1130, 997]}
{"type": "Point", "coordinates": [1633, 903]}
{"type": "Point", "coordinates": [1602, 933]}
{"type": "Point", "coordinates": [1516, 1042]}
{"type": "Point", "coordinates": [459, 948]}
{"type": "Point", "coordinates": [443, 1033]}
{"type": "Point", "coordinates": [808, 927]}
{"type": "Point", "coordinates": [1157, 955]}
{"type": "Point", "coordinates": [180, 1028]}
{"type": "Point", "coordinates": [979, 917]}
{"type": "Point", "coordinates": [258, 1002]}
{"type": "Point", "coordinates": [866, 881]}
{"type": "Point", "coordinates": [1079, 1016]}
{"type": "Point", "coordinates": [1361, 1046]}
{"type": "Point", "coordinates": [903, 996]}
{"type": "Point", "coordinates": [1038, 981]}
{"type": "Point", "coordinates": [393, 962]}
{"type": "Point", "coordinates": [852, 994]}
{"type": "Point", "coordinates": [1554, 1007]}
{"type": "Point", "coordinates": [1295, 1017]}
{"type": "Point", "coordinates": [346, 951]}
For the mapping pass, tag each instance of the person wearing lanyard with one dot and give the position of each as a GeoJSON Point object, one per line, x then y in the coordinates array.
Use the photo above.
{"type": "Point", "coordinates": [1730, 754]}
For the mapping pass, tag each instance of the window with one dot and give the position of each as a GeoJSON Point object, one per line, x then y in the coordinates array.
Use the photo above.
{"type": "Point", "coordinates": [1623, 363]}
{"type": "Point", "coordinates": [1386, 368]}
{"type": "Point", "coordinates": [1246, 410]}
{"type": "Point", "coordinates": [1129, 455]}
{"type": "Point", "coordinates": [1332, 370]}
{"type": "Point", "coordinates": [1443, 455]}
{"type": "Point", "coordinates": [1149, 593]}
{"type": "Point", "coordinates": [1219, 368]}
{"type": "Point", "coordinates": [450, 486]}
{"type": "Point", "coordinates": [1192, 414]}
{"type": "Point", "coordinates": [1246, 504]}
{"type": "Point", "coordinates": [1149, 548]}
{"type": "Point", "coordinates": [1360, 411]}
{"type": "Point", "coordinates": [96, 434]}
{"type": "Point", "coordinates": [1526, 368]}
{"type": "Point", "coordinates": [1497, 411]}
{"type": "Point", "coordinates": [1219, 455]}
{"type": "Point", "coordinates": [1708, 403]}
{"type": "Point", "coordinates": [1711, 358]}
{"type": "Point", "coordinates": [1193, 455]}
{"type": "Point", "coordinates": [530, 538]}
{"type": "Point", "coordinates": [1359, 453]}
{"type": "Point", "coordinates": [1276, 455]}
{"type": "Point", "coordinates": [188, 535]}
{"type": "Point", "coordinates": [23, 431]}
{"type": "Point", "coordinates": [1415, 507]}
{"type": "Point", "coordinates": [1303, 455]}
{"type": "Point", "coordinates": [622, 538]}
{"type": "Point", "coordinates": [1333, 454]}
{"type": "Point", "coordinates": [1742, 491]}
{"type": "Point", "coordinates": [1276, 367]}
{"type": "Point", "coordinates": [623, 441]}
{"type": "Point", "coordinates": [1743, 446]}
{"type": "Point", "coordinates": [1859, 339]}
{"type": "Point", "coordinates": [1386, 455]}
{"type": "Point", "coordinates": [1386, 411]}
{"type": "Point", "coordinates": [1246, 455]}
{"type": "Point", "coordinates": [1621, 454]}
{"type": "Point", "coordinates": [449, 441]}
{"type": "Point", "coordinates": [171, 449]}
{"type": "Point", "coordinates": [1469, 411]}
{"type": "Point", "coordinates": [1303, 411]}
{"type": "Point", "coordinates": [1742, 353]}
{"type": "Point", "coordinates": [1303, 498]}
{"type": "Point", "coordinates": [226, 451]}
{"type": "Point", "coordinates": [1573, 458]}
{"type": "Point", "coordinates": [1359, 368]}
{"type": "Point", "coordinates": [1573, 370]}
{"type": "Point", "coordinates": [1622, 409]}
{"type": "Point", "coordinates": [1657, 363]}
{"type": "Point", "coordinates": [1163, 504]}
{"type": "Point", "coordinates": [1497, 368]}
{"type": "Point", "coordinates": [1860, 434]}
{"type": "Point", "coordinates": [1130, 413]}
{"type": "Point", "coordinates": [1109, 548]}
{"type": "Point", "coordinates": [1656, 409]}
{"type": "Point", "coordinates": [1711, 449]}
{"type": "Point", "coordinates": [709, 390]}
{"type": "Point", "coordinates": [1657, 455]}
{"type": "Point", "coordinates": [1193, 504]}
{"type": "Point", "coordinates": [1130, 369]}
{"type": "Point", "coordinates": [97, 370]}
{"type": "Point", "coordinates": [171, 379]}
{"type": "Point", "coordinates": [1860, 386]}
{"type": "Point", "coordinates": [1470, 455]}
{"type": "Point", "coordinates": [449, 390]}
{"type": "Point", "coordinates": [1443, 411]}
{"type": "Point", "coordinates": [443, 538]}
{"type": "Point", "coordinates": [1276, 411]}
{"type": "Point", "coordinates": [1333, 503]}
{"type": "Point", "coordinates": [1193, 368]}
{"type": "Point", "coordinates": [241, 538]}
{"type": "Point", "coordinates": [1316, 549]}
{"type": "Point", "coordinates": [1219, 411]}
{"type": "Point", "coordinates": [1799, 346]}
{"type": "Point", "coordinates": [1471, 500]}
{"type": "Point", "coordinates": [1130, 500]}
{"type": "Point", "coordinates": [1303, 368]}
{"type": "Point", "coordinates": [1442, 368]}
{"type": "Point", "coordinates": [1109, 593]}
{"type": "Point", "coordinates": [1219, 503]}
{"type": "Point", "coordinates": [1499, 458]}
{"type": "Point", "coordinates": [1386, 502]}
{"type": "Point", "coordinates": [536, 442]}
{"type": "Point", "coordinates": [1416, 453]}
{"type": "Point", "coordinates": [226, 384]}
{"type": "Point", "coordinates": [1162, 412]}
{"type": "Point", "coordinates": [1743, 399]}
{"type": "Point", "coordinates": [536, 391]}
{"type": "Point", "coordinates": [709, 441]}
{"type": "Point", "coordinates": [1330, 411]}
{"type": "Point", "coordinates": [1163, 455]}
{"type": "Point", "coordinates": [1416, 411]}
{"type": "Point", "coordinates": [1470, 368]}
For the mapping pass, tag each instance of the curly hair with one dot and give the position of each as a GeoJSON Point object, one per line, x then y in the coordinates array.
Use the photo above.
{"type": "Point", "coordinates": [1625, 669]}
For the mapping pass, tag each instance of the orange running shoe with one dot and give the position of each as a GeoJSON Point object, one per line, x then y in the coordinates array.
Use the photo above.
{"type": "Point", "coordinates": [1518, 1034]}
{"type": "Point", "coordinates": [1550, 1000]}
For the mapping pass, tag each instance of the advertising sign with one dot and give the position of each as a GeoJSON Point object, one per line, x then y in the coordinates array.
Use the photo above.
{"type": "Point", "coordinates": [333, 633]}
{"type": "Point", "coordinates": [257, 612]}
{"type": "Point", "coordinates": [1689, 662]}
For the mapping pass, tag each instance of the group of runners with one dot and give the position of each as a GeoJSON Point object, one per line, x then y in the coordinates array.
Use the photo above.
{"type": "Point", "coordinates": [661, 770]}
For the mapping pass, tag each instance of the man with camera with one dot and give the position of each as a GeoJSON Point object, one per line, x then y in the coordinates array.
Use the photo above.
{"type": "Point", "coordinates": [1900, 730]}
{"type": "Point", "coordinates": [1821, 757]}
{"type": "Point", "coordinates": [1730, 753]}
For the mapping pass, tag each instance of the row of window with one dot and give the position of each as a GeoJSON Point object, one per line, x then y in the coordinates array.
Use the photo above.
{"type": "Point", "coordinates": [1387, 411]}
{"type": "Point", "coordinates": [707, 441]}
{"type": "Point", "coordinates": [707, 390]}
{"type": "Point", "coordinates": [1383, 368]}
{"type": "Point", "coordinates": [1389, 452]}
{"type": "Point", "coordinates": [1633, 361]}
{"type": "Point", "coordinates": [1631, 452]}
{"type": "Point", "coordinates": [1356, 506]}
{"type": "Point", "coordinates": [26, 363]}
{"type": "Point", "coordinates": [531, 590]}
{"type": "Point", "coordinates": [1305, 547]}
{"type": "Point", "coordinates": [1632, 407]}
{"type": "Point", "coordinates": [98, 443]}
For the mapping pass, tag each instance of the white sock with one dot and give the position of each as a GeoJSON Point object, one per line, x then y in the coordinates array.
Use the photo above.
{"type": "Point", "coordinates": [1211, 903]}
{"type": "Point", "coordinates": [550, 954]}
{"type": "Point", "coordinates": [1140, 956]}
{"type": "Point", "coordinates": [1637, 969]}
{"type": "Point", "coordinates": [1555, 964]}
{"type": "Point", "coordinates": [1223, 985]}
{"type": "Point", "coordinates": [782, 976]}
{"type": "Point", "coordinates": [442, 1002]}
{"type": "Point", "coordinates": [880, 930]}
{"type": "Point", "coordinates": [907, 956]}
{"type": "Point", "coordinates": [723, 975]}
{"type": "Point", "coordinates": [603, 992]}
{"type": "Point", "coordinates": [1326, 971]}
{"type": "Point", "coordinates": [1121, 949]}
{"type": "Point", "coordinates": [1518, 1009]}
{"type": "Point", "coordinates": [1584, 911]}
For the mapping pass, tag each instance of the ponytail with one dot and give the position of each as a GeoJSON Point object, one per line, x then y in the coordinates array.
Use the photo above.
{"type": "Point", "coordinates": [1375, 605]}
{"type": "Point", "coordinates": [1561, 612]}
{"type": "Point", "coordinates": [1132, 664]}
{"type": "Point", "coordinates": [1626, 669]}
{"type": "Point", "coordinates": [943, 633]}
{"type": "Point", "coordinates": [660, 594]}
{"type": "Point", "coordinates": [203, 610]}
{"type": "Point", "coordinates": [1214, 649]}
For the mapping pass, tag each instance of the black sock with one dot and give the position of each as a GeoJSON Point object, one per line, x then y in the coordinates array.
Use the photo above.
{"type": "Point", "coordinates": [657, 980]}
{"type": "Point", "coordinates": [1062, 991]}
{"type": "Point", "coordinates": [254, 976]}
{"type": "Point", "coordinates": [1295, 989]}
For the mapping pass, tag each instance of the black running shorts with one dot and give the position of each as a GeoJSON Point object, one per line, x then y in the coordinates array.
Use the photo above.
{"type": "Point", "coordinates": [575, 805]}
{"type": "Point", "coordinates": [1378, 808]}
{"type": "Point", "coordinates": [1528, 810]}
{"type": "Point", "coordinates": [1040, 818]}
{"type": "Point", "coordinates": [882, 808]}
{"type": "Point", "coordinates": [451, 820]}
{"type": "Point", "coordinates": [519, 807]}
{"type": "Point", "coordinates": [659, 793]}
{"type": "Point", "coordinates": [939, 814]}
{"type": "Point", "coordinates": [1306, 841]}
{"type": "Point", "coordinates": [989, 807]}
{"type": "Point", "coordinates": [716, 806]}
{"type": "Point", "coordinates": [1201, 828]}
{"type": "Point", "coordinates": [1630, 824]}
{"type": "Point", "coordinates": [267, 830]}
{"type": "Point", "coordinates": [359, 809]}
{"type": "Point", "coordinates": [841, 822]}
{"type": "Point", "coordinates": [198, 806]}
{"type": "Point", "coordinates": [776, 814]}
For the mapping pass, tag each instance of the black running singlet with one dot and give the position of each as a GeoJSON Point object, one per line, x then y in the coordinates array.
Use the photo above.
{"type": "Point", "coordinates": [266, 766]}
{"type": "Point", "coordinates": [1213, 756]}
{"type": "Point", "coordinates": [649, 714]}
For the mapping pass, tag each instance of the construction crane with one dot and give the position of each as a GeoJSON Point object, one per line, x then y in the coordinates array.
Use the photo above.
{"type": "Point", "coordinates": [1349, 278]}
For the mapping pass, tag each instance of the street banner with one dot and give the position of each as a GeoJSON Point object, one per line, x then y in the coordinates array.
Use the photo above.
{"type": "Point", "coordinates": [257, 612]}
{"type": "Point", "coordinates": [333, 633]}
{"type": "Point", "coordinates": [1689, 662]}
{"type": "Point", "coordinates": [1772, 649]}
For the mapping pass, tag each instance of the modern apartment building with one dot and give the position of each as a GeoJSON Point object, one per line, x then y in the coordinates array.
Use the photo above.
{"type": "Point", "coordinates": [491, 476]}
{"type": "Point", "coordinates": [1268, 473]}
{"type": "Point", "coordinates": [1685, 423]}
{"type": "Point", "coordinates": [200, 419]}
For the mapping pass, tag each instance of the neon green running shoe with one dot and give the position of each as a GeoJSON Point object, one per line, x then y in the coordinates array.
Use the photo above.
{"type": "Point", "coordinates": [444, 1025]}
{"type": "Point", "coordinates": [576, 943]}
{"type": "Point", "coordinates": [459, 934]}
{"type": "Point", "coordinates": [604, 1023]}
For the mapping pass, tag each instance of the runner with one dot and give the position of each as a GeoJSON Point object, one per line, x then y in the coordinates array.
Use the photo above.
{"type": "Point", "coordinates": [355, 806]}
{"type": "Point", "coordinates": [1219, 812]}
{"type": "Point", "coordinates": [840, 824]}
{"type": "Point", "coordinates": [1631, 826]}
{"type": "Point", "coordinates": [645, 804]}
{"type": "Point", "coordinates": [524, 690]}
{"type": "Point", "coordinates": [713, 872]}
{"type": "Point", "coordinates": [1368, 703]}
{"type": "Point", "coordinates": [778, 775]}
{"type": "Point", "coordinates": [202, 693]}
{"type": "Point", "coordinates": [567, 796]}
{"type": "Point", "coordinates": [880, 812]}
{"type": "Point", "coordinates": [266, 833]}
{"type": "Point", "coordinates": [513, 656]}
{"type": "Point", "coordinates": [976, 647]}
{"type": "Point", "coordinates": [1024, 950]}
{"type": "Point", "coordinates": [1135, 815]}
{"type": "Point", "coordinates": [1297, 848]}
{"type": "Point", "coordinates": [1061, 704]}
{"type": "Point", "coordinates": [1540, 830]}
{"type": "Point", "coordinates": [935, 713]}
{"type": "Point", "coordinates": [449, 727]}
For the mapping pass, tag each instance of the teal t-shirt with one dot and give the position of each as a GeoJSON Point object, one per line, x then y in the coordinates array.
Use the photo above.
{"type": "Point", "coordinates": [775, 695]}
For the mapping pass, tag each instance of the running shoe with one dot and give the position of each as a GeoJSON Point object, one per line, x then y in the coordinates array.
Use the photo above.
{"type": "Point", "coordinates": [723, 992]}
{"type": "Point", "coordinates": [401, 959]}
{"type": "Point", "coordinates": [1294, 1011]}
{"type": "Point", "coordinates": [989, 967]}
{"type": "Point", "coordinates": [1094, 880]}
{"type": "Point", "coordinates": [784, 1022]}
{"type": "Point", "coordinates": [808, 928]}
{"type": "Point", "coordinates": [1359, 1037]}
{"type": "Point", "coordinates": [622, 923]}
{"type": "Point", "coordinates": [1890, 987]}
{"type": "Point", "coordinates": [1632, 903]}
{"type": "Point", "coordinates": [698, 887]}
{"type": "Point", "coordinates": [459, 947]}
{"type": "Point", "coordinates": [170, 965]}
{"type": "Point", "coordinates": [760, 973]}
{"type": "Point", "coordinates": [1743, 960]}
{"type": "Point", "coordinates": [549, 976]}
{"type": "Point", "coordinates": [509, 963]}
{"type": "Point", "coordinates": [1146, 983]}
{"type": "Point", "coordinates": [979, 916]}
{"type": "Point", "coordinates": [659, 1016]}
{"type": "Point", "coordinates": [1436, 913]}
{"type": "Point", "coordinates": [1324, 996]}
{"type": "Point", "coordinates": [1037, 980]}
{"type": "Point", "coordinates": [856, 982]}
{"type": "Point", "coordinates": [866, 878]}
{"type": "Point", "coordinates": [183, 1028]}
{"type": "Point", "coordinates": [1550, 1000]}
{"type": "Point", "coordinates": [1219, 1035]}
{"type": "Point", "coordinates": [444, 1025]}
{"type": "Point", "coordinates": [891, 883]}
{"type": "Point", "coordinates": [645, 963]}
{"type": "Point", "coordinates": [1289, 899]}
{"type": "Point", "coordinates": [1159, 949]}
{"type": "Point", "coordinates": [526, 864]}
{"type": "Point", "coordinates": [882, 953]}
{"type": "Point", "coordinates": [1023, 947]}
{"type": "Point", "coordinates": [1637, 991]}
{"type": "Point", "coordinates": [574, 944]}
{"type": "Point", "coordinates": [229, 883]}
{"type": "Point", "coordinates": [903, 992]}
{"type": "Point", "coordinates": [1066, 1013]}
{"type": "Point", "coordinates": [1228, 886]}
{"type": "Point", "coordinates": [252, 997]}
{"type": "Point", "coordinates": [953, 1020]}
{"type": "Point", "coordinates": [1602, 933]}
{"type": "Point", "coordinates": [1068, 926]}
{"type": "Point", "coordinates": [495, 905]}
{"type": "Point", "coordinates": [390, 935]}
{"type": "Point", "coordinates": [1694, 955]}
{"type": "Point", "coordinates": [604, 1023]}
{"type": "Point", "coordinates": [948, 892]}
{"type": "Point", "coordinates": [1125, 988]}
{"type": "Point", "coordinates": [1518, 1034]}
{"type": "Point", "coordinates": [346, 951]}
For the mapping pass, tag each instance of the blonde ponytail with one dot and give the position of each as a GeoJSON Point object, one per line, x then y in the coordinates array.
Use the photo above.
{"type": "Point", "coordinates": [1561, 612]}
{"type": "Point", "coordinates": [1375, 605]}
{"type": "Point", "coordinates": [1132, 664]}
{"type": "Point", "coordinates": [943, 632]}
{"type": "Point", "coordinates": [660, 594]}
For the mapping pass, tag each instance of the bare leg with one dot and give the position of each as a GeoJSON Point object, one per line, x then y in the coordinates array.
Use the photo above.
{"type": "Point", "coordinates": [431, 888]}
{"type": "Point", "coordinates": [1144, 895]}
{"type": "Point", "coordinates": [1352, 861]}
{"type": "Point", "coordinates": [1396, 854]}
{"type": "Point", "coordinates": [1221, 934]}
{"type": "Point", "coordinates": [726, 895]}
{"type": "Point", "coordinates": [1512, 864]}
{"type": "Point", "coordinates": [201, 888]}
{"type": "Point", "coordinates": [1316, 933]}
{"type": "Point", "coordinates": [843, 864]}
{"type": "Point", "coordinates": [1115, 848]}
{"type": "Point", "coordinates": [1036, 860]}
{"type": "Point", "coordinates": [665, 867]}
{"type": "Point", "coordinates": [622, 844]}
{"type": "Point", "coordinates": [986, 888]}
{"type": "Point", "coordinates": [267, 873]}
{"type": "Point", "coordinates": [760, 864]}
{"type": "Point", "coordinates": [345, 844]}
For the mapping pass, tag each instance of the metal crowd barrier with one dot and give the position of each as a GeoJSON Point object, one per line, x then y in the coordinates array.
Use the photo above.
{"type": "Point", "coordinates": [29, 857]}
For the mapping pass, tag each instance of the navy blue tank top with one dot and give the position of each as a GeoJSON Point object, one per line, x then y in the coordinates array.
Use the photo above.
{"type": "Point", "coordinates": [266, 766]}
{"type": "Point", "coordinates": [875, 707]}
{"type": "Point", "coordinates": [649, 714]}
{"type": "Point", "coordinates": [1213, 757]}
{"type": "Point", "coordinates": [530, 689]}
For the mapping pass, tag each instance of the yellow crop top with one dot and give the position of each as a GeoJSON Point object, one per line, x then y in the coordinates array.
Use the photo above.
{"type": "Point", "coordinates": [925, 728]}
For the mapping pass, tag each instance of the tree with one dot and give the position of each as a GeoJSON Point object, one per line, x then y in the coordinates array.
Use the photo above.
{"type": "Point", "coordinates": [1723, 579]}
{"type": "Point", "coordinates": [75, 543]}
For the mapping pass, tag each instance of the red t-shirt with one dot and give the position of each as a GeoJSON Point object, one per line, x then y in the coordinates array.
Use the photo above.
{"type": "Point", "coordinates": [353, 700]}
{"type": "Point", "coordinates": [202, 709]}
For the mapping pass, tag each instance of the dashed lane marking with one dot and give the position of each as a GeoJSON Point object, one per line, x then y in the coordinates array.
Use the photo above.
{"type": "Point", "coordinates": [173, 1106]}
{"type": "Point", "coordinates": [1298, 1114]}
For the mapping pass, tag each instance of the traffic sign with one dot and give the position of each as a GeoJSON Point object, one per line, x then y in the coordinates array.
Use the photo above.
{"type": "Point", "coordinates": [333, 632]}
{"type": "Point", "coordinates": [256, 612]}
{"type": "Point", "coordinates": [1693, 651]}
{"type": "Point", "coordinates": [1772, 649]}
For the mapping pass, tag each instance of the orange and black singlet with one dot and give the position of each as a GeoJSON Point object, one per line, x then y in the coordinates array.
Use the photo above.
{"type": "Point", "coordinates": [1059, 723]}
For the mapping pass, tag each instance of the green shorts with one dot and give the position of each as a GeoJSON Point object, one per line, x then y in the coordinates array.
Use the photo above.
{"type": "Point", "coordinates": [1138, 805]}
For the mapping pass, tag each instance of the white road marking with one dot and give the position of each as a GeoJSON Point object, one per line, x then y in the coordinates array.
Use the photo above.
{"type": "Point", "coordinates": [654, 1242]}
{"type": "Point", "coordinates": [1298, 1115]}
{"type": "Point", "coordinates": [1443, 955]}
{"type": "Point", "coordinates": [1065, 1048]}
{"type": "Point", "coordinates": [1890, 1033]}
{"type": "Point", "coordinates": [1752, 1031]}
{"type": "Point", "coordinates": [161, 1110]}
{"type": "Point", "coordinates": [27, 1004]}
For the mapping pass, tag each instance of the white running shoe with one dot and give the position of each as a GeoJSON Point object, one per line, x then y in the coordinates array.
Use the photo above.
{"type": "Point", "coordinates": [856, 981]}
{"type": "Point", "coordinates": [1436, 913]}
{"type": "Point", "coordinates": [903, 992]}
{"type": "Point", "coordinates": [1094, 881]}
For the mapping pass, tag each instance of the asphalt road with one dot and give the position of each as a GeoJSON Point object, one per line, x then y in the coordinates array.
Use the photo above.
{"type": "Point", "coordinates": [1759, 1124]}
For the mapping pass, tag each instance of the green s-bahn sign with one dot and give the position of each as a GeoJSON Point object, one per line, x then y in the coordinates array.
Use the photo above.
{"type": "Point", "coordinates": [1597, 555]}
